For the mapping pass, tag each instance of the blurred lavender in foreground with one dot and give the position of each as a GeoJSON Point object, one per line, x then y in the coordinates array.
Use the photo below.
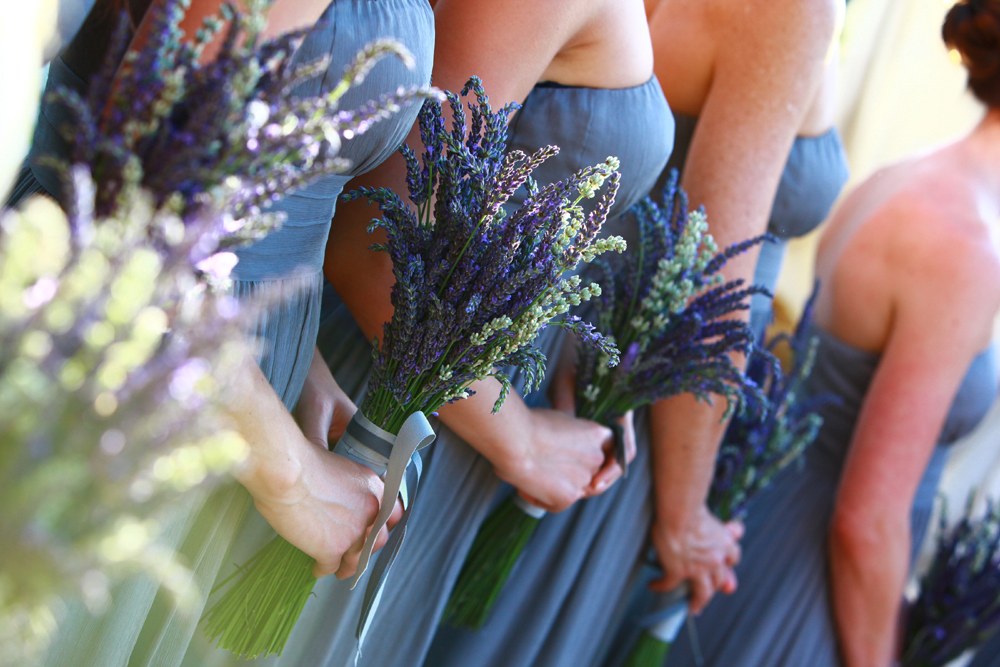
{"type": "Point", "coordinates": [157, 119]}
{"type": "Point", "coordinates": [115, 322]}
{"type": "Point", "coordinates": [109, 405]}
{"type": "Point", "coordinates": [958, 607]}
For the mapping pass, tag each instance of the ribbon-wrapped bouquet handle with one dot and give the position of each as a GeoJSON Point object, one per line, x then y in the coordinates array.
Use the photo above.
{"type": "Point", "coordinates": [389, 455]}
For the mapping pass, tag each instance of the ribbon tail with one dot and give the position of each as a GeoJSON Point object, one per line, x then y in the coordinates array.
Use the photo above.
{"type": "Point", "coordinates": [387, 556]}
{"type": "Point", "coordinates": [416, 433]}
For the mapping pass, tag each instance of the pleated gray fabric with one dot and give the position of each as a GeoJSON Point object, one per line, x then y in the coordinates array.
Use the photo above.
{"type": "Point", "coordinates": [780, 615]}
{"type": "Point", "coordinates": [145, 628]}
{"type": "Point", "coordinates": [459, 488]}
{"type": "Point", "coordinates": [988, 654]}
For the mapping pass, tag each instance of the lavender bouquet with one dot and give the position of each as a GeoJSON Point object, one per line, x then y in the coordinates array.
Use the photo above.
{"type": "Point", "coordinates": [758, 444]}
{"type": "Point", "coordinates": [474, 286]}
{"type": "Point", "coordinates": [958, 607]}
{"type": "Point", "coordinates": [665, 306]}
{"type": "Point", "coordinates": [157, 119]}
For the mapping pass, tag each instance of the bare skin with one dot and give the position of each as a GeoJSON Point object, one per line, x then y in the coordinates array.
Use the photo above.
{"type": "Point", "coordinates": [551, 457]}
{"type": "Point", "coordinates": [919, 241]}
{"type": "Point", "coordinates": [756, 74]}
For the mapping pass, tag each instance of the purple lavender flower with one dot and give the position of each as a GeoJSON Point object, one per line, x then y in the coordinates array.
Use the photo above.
{"type": "Point", "coordinates": [664, 304]}
{"type": "Point", "coordinates": [958, 608]}
{"type": "Point", "coordinates": [475, 285]}
{"type": "Point", "coordinates": [761, 442]}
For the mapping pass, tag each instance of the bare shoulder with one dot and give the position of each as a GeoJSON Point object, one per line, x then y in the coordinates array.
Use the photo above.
{"type": "Point", "coordinates": [941, 251]}
{"type": "Point", "coordinates": [796, 27]}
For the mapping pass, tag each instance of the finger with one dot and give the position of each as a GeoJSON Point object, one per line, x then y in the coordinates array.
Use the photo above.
{"type": "Point", "coordinates": [736, 529]}
{"type": "Point", "coordinates": [733, 553]}
{"type": "Point", "coordinates": [729, 585]}
{"type": "Point", "coordinates": [397, 514]}
{"type": "Point", "coordinates": [321, 568]}
{"type": "Point", "coordinates": [350, 559]}
{"type": "Point", "coordinates": [701, 592]}
{"type": "Point", "coordinates": [628, 427]}
{"type": "Point", "coordinates": [383, 537]}
{"type": "Point", "coordinates": [605, 477]}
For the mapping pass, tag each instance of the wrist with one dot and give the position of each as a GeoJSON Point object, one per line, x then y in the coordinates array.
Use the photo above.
{"type": "Point", "coordinates": [271, 473]}
{"type": "Point", "coordinates": [676, 518]}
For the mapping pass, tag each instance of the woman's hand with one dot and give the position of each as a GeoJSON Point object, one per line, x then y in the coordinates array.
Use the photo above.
{"type": "Point", "coordinates": [321, 502]}
{"type": "Point", "coordinates": [562, 394]}
{"type": "Point", "coordinates": [556, 460]}
{"type": "Point", "coordinates": [701, 550]}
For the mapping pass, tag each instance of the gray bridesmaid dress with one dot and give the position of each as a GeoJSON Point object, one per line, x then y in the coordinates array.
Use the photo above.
{"type": "Point", "coordinates": [144, 627]}
{"type": "Point", "coordinates": [572, 584]}
{"type": "Point", "coordinates": [458, 488]}
{"type": "Point", "coordinates": [814, 174]}
{"type": "Point", "coordinates": [780, 615]}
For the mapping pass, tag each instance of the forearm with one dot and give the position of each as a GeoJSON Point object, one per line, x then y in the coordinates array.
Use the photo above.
{"type": "Point", "coordinates": [498, 437]}
{"type": "Point", "coordinates": [685, 435]}
{"type": "Point", "coordinates": [268, 428]}
{"type": "Point", "coordinates": [867, 576]}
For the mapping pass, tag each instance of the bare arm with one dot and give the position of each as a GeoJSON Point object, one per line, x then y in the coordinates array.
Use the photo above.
{"type": "Point", "coordinates": [941, 318]}
{"type": "Point", "coordinates": [768, 63]}
{"type": "Point", "coordinates": [509, 44]}
{"type": "Point", "coordinates": [319, 501]}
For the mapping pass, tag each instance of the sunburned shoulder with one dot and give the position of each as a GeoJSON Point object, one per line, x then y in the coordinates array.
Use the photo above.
{"type": "Point", "coordinates": [935, 240]}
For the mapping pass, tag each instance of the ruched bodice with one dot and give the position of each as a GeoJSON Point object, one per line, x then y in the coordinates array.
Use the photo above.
{"type": "Point", "coordinates": [845, 372]}
{"type": "Point", "coordinates": [589, 124]}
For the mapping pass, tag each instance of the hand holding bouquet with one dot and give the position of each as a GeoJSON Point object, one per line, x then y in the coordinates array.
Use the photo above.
{"type": "Point", "coordinates": [665, 306]}
{"type": "Point", "coordinates": [474, 287]}
{"type": "Point", "coordinates": [758, 444]}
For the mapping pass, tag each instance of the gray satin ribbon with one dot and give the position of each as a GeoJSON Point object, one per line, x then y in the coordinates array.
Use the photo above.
{"type": "Point", "coordinates": [390, 455]}
{"type": "Point", "coordinates": [666, 622]}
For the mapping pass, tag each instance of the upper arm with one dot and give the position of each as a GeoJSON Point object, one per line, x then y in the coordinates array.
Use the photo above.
{"type": "Point", "coordinates": [945, 298]}
{"type": "Point", "coordinates": [768, 64]}
{"type": "Point", "coordinates": [507, 43]}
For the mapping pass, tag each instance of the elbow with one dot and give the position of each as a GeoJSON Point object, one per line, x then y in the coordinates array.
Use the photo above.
{"type": "Point", "coordinates": [861, 536]}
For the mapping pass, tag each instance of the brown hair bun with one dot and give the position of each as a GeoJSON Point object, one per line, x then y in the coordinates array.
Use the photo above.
{"type": "Point", "coordinates": [972, 27]}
